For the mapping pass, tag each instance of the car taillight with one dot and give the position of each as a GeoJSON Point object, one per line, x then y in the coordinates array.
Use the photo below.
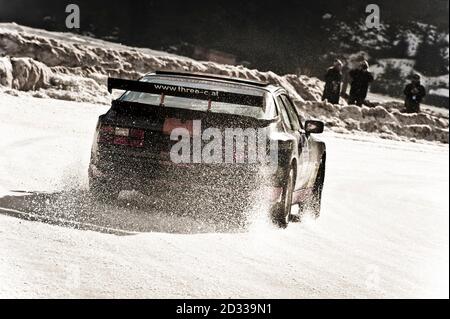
{"type": "Point", "coordinates": [137, 133]}
{"type": "Point", "coordinates": [107, 129]}
{"type": "Point", "coordinates": [136, 143]}
{"type": "Point", "coordinates": [120, 140]}
{"type": "Point", "coordinates": [121, 136]}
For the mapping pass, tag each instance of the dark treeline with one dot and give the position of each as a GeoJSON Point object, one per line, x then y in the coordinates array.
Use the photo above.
{"type": "Point", "coordinates": [275, 35]}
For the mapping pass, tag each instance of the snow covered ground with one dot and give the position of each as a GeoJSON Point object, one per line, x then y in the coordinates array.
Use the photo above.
{"type": "Point", "coordinates": [383, 232]}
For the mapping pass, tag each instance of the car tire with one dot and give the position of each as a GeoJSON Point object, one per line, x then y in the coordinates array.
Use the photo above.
{"type": "Point", "coordinates": [281, 213]}
{"type": "Point", "coordinates": [314, 204]}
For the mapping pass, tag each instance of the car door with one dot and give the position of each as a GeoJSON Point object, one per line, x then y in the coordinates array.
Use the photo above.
{"type": "Point", "coordinates": [303, 144]}
{"type": "Point", "coordinates": [286, 120]}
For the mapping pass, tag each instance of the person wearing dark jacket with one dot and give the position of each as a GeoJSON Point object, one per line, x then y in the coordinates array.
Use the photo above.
{"type": "Point", "coordinates": [360, 79]}
{"type": "Point", "coordinates": [333, 79]}
{"type": "Point", "coordinates": [414, 93]}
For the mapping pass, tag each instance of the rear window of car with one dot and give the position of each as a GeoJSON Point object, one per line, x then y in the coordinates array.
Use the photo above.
{"type": "Point", "coordinates": [206, 96]}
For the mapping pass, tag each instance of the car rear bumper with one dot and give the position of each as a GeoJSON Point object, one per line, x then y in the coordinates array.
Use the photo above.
{"type": "Point", "coordinates": [151, 176]}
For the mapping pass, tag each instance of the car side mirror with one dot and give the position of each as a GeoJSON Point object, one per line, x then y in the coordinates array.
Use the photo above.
{"type": "Point", "coordinates": [314, 127]}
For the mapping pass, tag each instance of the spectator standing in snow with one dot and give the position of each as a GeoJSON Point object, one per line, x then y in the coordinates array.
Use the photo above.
{"type": "Point", "coordinates": [414, 93]}
{"type": "Point", "coordinates": [333, 79]}
{"type": "Point", "coordinates": [360, 79]}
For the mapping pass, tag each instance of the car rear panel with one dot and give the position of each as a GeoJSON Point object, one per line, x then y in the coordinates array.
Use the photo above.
{"type": "Point", "coordinates": [146, 164]}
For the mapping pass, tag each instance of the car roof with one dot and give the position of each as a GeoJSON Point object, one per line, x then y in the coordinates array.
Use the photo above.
{"type": "Point", "coordinates": [218, 78]}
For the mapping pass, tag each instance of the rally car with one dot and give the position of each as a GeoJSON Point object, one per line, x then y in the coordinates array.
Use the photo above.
{"type": "Point", "coordinates": [169, 132]}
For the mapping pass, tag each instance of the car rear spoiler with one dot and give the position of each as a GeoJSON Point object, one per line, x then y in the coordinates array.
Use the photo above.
{"type": "Point", "coordinates": [185, 92]}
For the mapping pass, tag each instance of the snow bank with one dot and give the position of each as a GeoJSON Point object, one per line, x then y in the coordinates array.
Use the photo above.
{"type": "Point", "coordinates": [388, 121]}
{"type": "Point", "coordinates": [6, 69]}
{"type": "Point", "coordinates": [29, 74]}
{"type": "Point", "coordinates": [68, 67]}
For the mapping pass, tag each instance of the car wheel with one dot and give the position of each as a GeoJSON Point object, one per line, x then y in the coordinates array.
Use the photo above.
{"type": "Point", "coordinates": [315, 203]}
{"type": "Point", "coordinates": [282, 211]}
